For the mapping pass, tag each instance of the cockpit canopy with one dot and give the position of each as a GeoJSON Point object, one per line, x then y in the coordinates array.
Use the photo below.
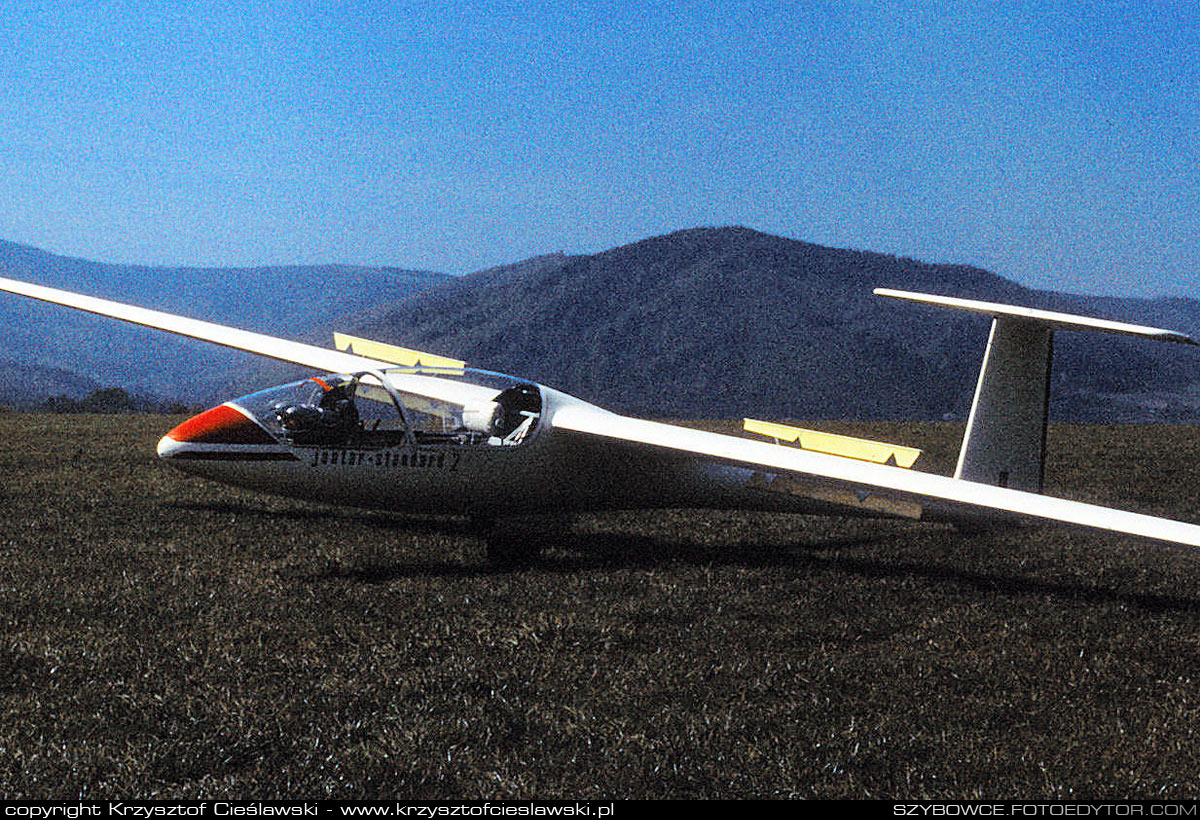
{"type": "Point", "coordinates": [411, 405]}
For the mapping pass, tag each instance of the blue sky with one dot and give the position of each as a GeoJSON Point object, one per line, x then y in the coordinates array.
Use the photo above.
{"type": "Point", "coordinates": [1053, 143]}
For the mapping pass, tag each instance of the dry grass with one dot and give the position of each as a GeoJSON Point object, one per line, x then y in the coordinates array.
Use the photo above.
{"type": "Point", "coordinates": [165, 637]}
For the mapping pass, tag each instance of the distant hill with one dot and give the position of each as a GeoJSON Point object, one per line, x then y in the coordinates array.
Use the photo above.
{"type": "Point", "coordinates": [725, 321]}
{"type": "Point", "coordinates": [702, 322]}
{"type": "Point", "coordinates": [46, 350]}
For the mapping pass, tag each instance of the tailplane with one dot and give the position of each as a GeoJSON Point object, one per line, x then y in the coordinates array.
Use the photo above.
{"type": "Point", "coordinates": [1005, 440]}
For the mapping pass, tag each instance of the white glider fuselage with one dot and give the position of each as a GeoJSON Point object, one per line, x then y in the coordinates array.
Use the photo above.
{"type": "Point", "coordinates": [457, 469]}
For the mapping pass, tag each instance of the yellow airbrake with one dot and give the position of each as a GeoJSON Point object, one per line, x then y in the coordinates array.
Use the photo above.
{"type": "Point", "coordinates": [836, 445]}
{"type": "Point", "coordinates": [393, 354]}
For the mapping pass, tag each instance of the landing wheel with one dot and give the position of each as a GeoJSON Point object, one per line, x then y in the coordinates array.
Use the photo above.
{"type": "Point", "coordinates": [515, 541]}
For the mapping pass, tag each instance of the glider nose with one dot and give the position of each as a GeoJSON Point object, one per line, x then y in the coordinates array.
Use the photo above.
{"type": "Point", "coordinates": [212, 430]}
{"type": "Point", "coordinates": [167, 447]}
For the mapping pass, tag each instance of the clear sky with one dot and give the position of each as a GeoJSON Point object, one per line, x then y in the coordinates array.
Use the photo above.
{"type": "Point", "coordinates": [1055, 143]}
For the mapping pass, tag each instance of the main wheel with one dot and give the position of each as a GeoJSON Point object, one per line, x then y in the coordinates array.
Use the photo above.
{"type": "Point", "coordinates": [517, 540]}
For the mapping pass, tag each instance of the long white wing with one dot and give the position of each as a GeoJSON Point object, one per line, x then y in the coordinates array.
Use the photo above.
{"type": "Point", "coordinates": [941, 494]}
{"type": "Point", "coordinates": [296, 352]}
{"type": "Point", "coordinates": [318, 358]}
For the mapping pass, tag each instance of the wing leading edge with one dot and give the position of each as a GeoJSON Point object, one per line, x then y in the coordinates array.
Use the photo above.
{"type": "Point", "coordinates": [948, 497]}
{"type": "Point", "coordinates": [318, 358]}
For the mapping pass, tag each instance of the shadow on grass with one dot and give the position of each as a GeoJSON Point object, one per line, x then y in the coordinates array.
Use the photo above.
{"type": "Point", "coordinates": [415, 523]}
{"type": "Point", "coordinates": [1010, 585]}
{"type": "Point", "coordinates": [239, 508]}
{"type": "Point", "coordinates": [642, 552]}
{"type": "Point", "coordinates": [581, 552]}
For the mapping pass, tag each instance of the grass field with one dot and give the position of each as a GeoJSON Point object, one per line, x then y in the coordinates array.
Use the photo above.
{"type": "Point", "coordinates": [169, 638]}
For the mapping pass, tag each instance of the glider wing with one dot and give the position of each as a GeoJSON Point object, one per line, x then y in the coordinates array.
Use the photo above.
{"type": "Point", "coordinates": [939, 497]}
{"type": "Point", "coordinates": [306, 355]}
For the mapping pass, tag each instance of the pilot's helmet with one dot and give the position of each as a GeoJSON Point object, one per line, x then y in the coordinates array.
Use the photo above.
{"type": "Point", "coordinates": [335, 389]}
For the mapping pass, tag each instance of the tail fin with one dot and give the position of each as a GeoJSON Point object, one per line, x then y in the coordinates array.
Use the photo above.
{"type": "Point", "coordinates": [1005, 440]}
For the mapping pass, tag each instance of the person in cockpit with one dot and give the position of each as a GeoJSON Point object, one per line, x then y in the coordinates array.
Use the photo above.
{"type": "Point", "coordinates": [337, 407]}
{"type": "Point", "coordinates": [333, 419]}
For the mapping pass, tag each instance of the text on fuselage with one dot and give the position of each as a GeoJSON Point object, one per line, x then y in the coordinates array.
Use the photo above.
{"type": "Point", "coordinates": [388, 459]}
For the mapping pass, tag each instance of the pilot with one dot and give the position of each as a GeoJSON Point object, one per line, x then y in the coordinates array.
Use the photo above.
{"type": "Point", "coordinates": [333, 420]}
{"type": "Point", "coordinates": [337, 407]}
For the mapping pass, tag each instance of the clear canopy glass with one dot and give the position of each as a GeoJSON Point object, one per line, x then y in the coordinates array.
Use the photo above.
{"type": "Point", "coordinates": [415, 406]}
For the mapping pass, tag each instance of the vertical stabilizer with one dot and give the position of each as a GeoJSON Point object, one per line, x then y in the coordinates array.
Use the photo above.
{"type": "Point", "coordinates": [1005, 441]}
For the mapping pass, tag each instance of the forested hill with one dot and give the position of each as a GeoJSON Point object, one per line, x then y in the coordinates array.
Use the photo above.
{"type": "Point", "coordinates": [726, 321]}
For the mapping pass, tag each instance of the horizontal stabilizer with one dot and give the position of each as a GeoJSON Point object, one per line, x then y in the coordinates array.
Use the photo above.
{"type": "Point", "coordinates": [393, 354]}
{"type": "Point", "coordinates": [1052, 319]}
{"type": "Point", "coordinates": [836, 445]}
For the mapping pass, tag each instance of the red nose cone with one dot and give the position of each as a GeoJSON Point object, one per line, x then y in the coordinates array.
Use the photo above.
{"type": "Point", "coordinates": [220, 425]}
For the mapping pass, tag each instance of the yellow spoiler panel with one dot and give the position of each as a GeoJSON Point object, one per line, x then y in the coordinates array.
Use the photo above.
{"type": "Point", "coordinates": [836, 445]}
{"type": "Point", "coordinates": [393, 354]}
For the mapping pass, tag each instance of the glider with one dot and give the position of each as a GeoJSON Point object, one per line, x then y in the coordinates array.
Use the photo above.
{"type": "Point", "coordinates": [395, 429]}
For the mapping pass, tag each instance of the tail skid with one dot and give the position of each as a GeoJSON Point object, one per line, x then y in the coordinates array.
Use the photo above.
{"type": "Point", "coordinates": [1005, 441]}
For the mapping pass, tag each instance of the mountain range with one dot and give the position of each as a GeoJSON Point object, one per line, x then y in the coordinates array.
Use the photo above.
{"type": "Point", "coordinates": [701, 322]}
{"type": "Point", "coordinates": [47, 351]}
